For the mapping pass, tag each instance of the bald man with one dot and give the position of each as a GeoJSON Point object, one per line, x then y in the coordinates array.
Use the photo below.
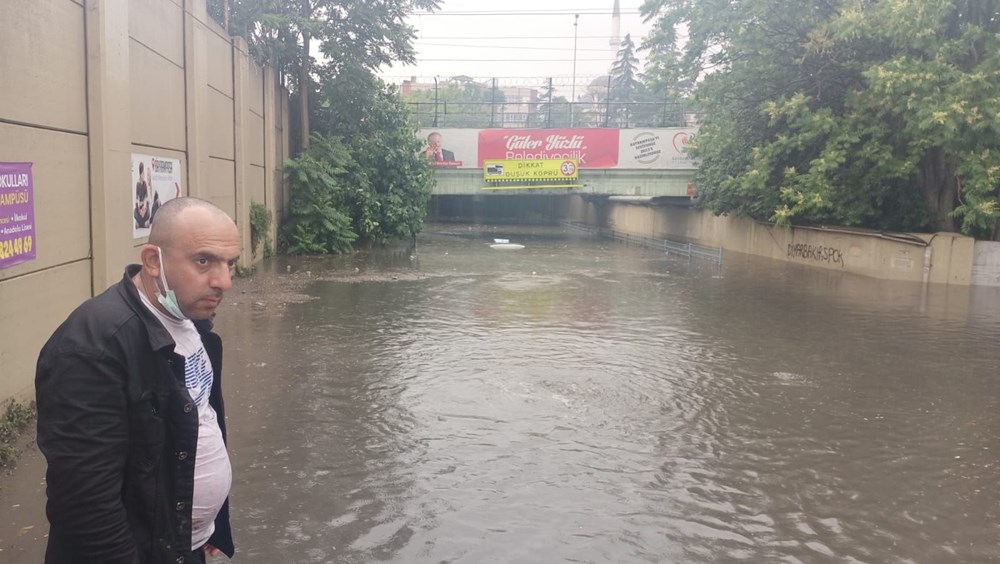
{"type": "Point", "coordinates": [130, 412]}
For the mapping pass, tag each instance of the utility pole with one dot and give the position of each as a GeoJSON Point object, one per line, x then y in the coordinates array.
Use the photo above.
{"type": "Point", "coordinates": [572, 99]}
{"type": "Point", "coordinates": [435, 101]}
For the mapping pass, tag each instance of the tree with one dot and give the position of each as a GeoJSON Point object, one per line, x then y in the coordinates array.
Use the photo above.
{"type": "Point", "coordinates": [391, 186]}
{"type": "Point", "coordinates": [874, 113]}
{"type": "Point", "coordinates": [667, 92]}
{"type": "Point", "coordinates": [317, 223]}
{"type": "Point", "coordinates": [937, 94]}
{"type": "Point", "coordinates": [363, 176]}
{"type": "Point", "coordinates": [625, 84]}
{"type": "Point", "coordinates": [359, 33]}
{"type": "Point", "coordinates": [553, 111]}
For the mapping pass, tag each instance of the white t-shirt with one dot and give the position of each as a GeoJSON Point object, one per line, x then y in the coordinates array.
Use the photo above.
{"type": "Point", "coordinates": [213, 474]}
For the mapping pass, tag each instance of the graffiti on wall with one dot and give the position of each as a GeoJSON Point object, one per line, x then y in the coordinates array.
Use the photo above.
{"type": "Point", "coordinates": [818, 253]}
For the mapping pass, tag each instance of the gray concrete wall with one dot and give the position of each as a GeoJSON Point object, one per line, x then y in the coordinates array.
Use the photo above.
{"type": "Point", "coordinates": [986, 264]}
{"type": "Point", "coordinates": [944, 258]}
{"type": "Point", "coordinates": [86, 84]}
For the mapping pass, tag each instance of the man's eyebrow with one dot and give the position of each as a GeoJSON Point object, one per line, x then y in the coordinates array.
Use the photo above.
{"type": "Point", "coordinates": [214, 256]}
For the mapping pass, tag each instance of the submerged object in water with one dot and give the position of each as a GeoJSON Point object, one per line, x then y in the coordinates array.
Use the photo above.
{"type": "Point", "coordinates": [506, 246]}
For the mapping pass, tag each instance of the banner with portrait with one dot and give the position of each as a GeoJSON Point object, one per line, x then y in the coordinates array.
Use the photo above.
{"type": "Point", "coordinates": [449, 148]}
{"type": "Point", "coordinates": [592, 148]}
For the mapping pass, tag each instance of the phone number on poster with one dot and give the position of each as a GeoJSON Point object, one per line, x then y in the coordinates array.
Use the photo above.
{"type": "Point", "coordinates": [16, 246]}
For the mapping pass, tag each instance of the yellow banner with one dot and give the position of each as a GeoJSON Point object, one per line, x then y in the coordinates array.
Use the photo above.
{"type": "Point", "coordinates": [526, 170]}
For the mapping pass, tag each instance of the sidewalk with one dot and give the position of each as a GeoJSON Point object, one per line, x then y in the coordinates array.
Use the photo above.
{"type": "Point", "coordinates": [24, 528]}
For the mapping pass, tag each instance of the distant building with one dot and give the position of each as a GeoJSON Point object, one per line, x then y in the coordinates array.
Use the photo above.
{"type": "Point", "coordinates": [520, 104]}
{"type": "Point", "coordinates": [411, 85]}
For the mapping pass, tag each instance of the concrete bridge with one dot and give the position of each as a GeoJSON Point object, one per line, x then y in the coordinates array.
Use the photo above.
{"type": "Point", "coordinates": [637, 185]}
{"type": "Point", "coordinates": [629, 165]}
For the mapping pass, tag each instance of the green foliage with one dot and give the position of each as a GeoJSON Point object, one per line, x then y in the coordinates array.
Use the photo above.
{"type": "Point", "coordinates": [877, 113]}
{"type": "Point", "coordinates": [625, 85]}
{"type": "Point", "coordinates": [15, 419]}
{"type": "Point", "coordinates": [365, 34]}
{"type": "Point", "coordinates": [316, 224]}
{"type": "Point", "coordinates": [360, 173]}
{"type": "Point", "coordinates": [390, 186]}
{"type": "Point", "coordinates": [362, 176]}
{"type": "Point", "coordinates": [260, 227]}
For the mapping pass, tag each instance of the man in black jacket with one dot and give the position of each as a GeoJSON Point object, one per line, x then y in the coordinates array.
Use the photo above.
{"type": "Point", "coordinates": [130, 411]}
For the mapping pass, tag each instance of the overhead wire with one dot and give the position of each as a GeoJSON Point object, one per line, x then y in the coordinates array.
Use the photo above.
{"type": "Point", "coordinates": [509, 60]}
{"type": "Point", "coordinates": [543, 12]}
{"type": "Point", "coordinates": [476, 44]}
{"type": "Point", "coordinates": [488, 37]}
{"type": "Point", "coordinates": [605, 50]}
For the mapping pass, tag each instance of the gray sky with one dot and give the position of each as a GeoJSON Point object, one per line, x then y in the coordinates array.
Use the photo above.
{"type": "Point", "coordinates": [526, 39]}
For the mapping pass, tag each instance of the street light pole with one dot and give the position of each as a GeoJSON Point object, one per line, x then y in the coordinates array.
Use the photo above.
{"type": "Point", "coordinates": [572, 98]}
{"type": "Point", "coordinates": [435, 101]}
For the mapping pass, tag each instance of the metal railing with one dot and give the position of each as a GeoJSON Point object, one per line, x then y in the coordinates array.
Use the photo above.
{"type": "Point", "coordinates": [676, 247]}
{"type": "Point", "coordinates": [513, 115]}
{"type": "Point", "coordinates": [465, 102]}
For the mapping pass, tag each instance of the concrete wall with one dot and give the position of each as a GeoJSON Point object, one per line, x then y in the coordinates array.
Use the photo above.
{"type": "Point", "coordinates": [944, 258]}
{"type": "Point", "coordinates": [986, 264]}
{"type": "Point", "coordinates": [84, 85]}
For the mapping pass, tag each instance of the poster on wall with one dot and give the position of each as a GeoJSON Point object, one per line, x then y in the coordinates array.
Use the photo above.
{"type": "Point", "coordinates": [155, 181]}
{"type": "Point", "coordinates": [17, 214]}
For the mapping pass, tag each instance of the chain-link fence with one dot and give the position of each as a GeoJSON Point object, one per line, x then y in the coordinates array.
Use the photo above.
{"type": "Point", "coordinates": [522, 102]}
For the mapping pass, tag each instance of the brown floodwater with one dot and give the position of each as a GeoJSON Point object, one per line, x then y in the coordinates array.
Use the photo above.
{"type": "Point", "coordinates": [583, 401]}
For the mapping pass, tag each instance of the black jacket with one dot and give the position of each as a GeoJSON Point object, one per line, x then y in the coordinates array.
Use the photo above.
{"type": "Point", "coordinates": [119, 431]}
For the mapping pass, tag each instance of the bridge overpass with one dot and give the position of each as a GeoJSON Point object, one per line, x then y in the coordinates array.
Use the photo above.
{"type": "Point", "coordinates": [620, 184]}
{"type": "Point", "coordinates": [636, 165]}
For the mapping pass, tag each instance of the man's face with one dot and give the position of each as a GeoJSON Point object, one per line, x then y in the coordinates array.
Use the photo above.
{"type": "Point", "coordinates": [434, 142]}
{"type": "Point", "coordinates": [199, 262]}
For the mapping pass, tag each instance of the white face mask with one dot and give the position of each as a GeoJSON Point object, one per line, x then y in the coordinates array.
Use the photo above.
{"type": "Point", "coordinates": [168, 299]}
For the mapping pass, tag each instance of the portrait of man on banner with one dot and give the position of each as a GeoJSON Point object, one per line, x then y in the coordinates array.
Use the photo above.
{"type": "Point", "coordinates": [437, 156]}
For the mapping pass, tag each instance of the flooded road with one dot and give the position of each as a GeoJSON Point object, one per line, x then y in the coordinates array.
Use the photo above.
{"type": "Point", "coordinates": [583, 401]}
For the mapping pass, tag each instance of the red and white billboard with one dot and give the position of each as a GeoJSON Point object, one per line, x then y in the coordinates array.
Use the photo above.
{"type": "Point", "coordinates": [592, 148]}
{"type": "Point", "coordinates": [651, 148]}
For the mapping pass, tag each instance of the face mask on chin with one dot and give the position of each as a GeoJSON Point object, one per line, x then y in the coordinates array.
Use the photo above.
{"type": "Point", "coordinates": [167, 299]}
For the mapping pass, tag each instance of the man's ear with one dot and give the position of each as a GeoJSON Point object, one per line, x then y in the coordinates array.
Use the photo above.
{"type": "Point", "coordinates": [149, 256]}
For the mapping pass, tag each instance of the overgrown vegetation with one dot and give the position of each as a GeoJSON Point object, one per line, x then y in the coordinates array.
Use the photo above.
{"type": "Point", "coordinates": [358, 174]}
{"type": "Point", "coordinates": [876, 113]}
{"type": "Point", "coordinates": [364, 180]}
{"type": "Point", "coordinates": [260, 229]}
{"type": "Point", "coordinates": [316, 180]}
{"type": "Point", "coordinates": [15, 419]}
{"type": "Point", "coordinates": [360, 34]}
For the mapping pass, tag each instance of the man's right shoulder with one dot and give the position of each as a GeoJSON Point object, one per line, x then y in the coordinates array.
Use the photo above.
{"type": "Point", "coordinates": [94, 324]}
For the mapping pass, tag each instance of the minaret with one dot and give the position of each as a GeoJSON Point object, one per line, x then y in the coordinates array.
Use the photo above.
{"type": "Point", "coordinates": [616, 27]}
